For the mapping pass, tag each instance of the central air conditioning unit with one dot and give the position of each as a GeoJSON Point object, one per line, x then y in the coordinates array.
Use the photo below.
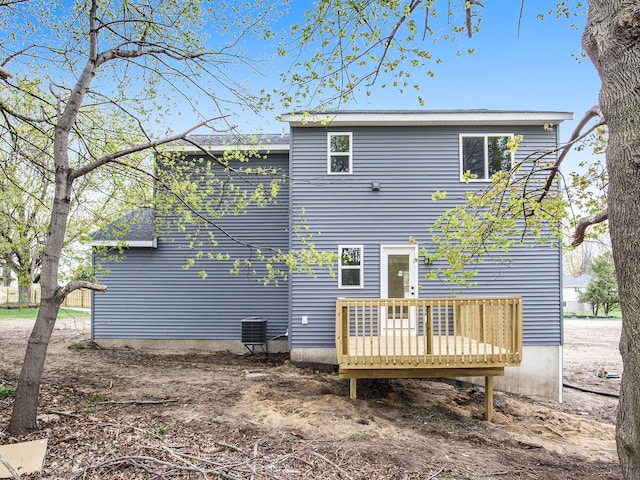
{"type": "Point", "coordinates": [254, 333]}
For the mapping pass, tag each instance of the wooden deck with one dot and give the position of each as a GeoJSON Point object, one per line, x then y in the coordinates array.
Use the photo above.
{"type": "Point", "coordinates": [428, 337]}
{"type": "Point", "coordinates": [420, 349]}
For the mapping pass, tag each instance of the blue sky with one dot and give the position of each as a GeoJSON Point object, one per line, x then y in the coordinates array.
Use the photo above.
{"type": "Point", "coordinates": [535, 70]}
{"type": "Point", "coordinates": [532, 70]}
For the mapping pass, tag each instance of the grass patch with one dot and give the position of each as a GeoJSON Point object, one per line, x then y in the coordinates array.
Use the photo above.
{"type": "Point", "coordinates": [29, 313]}
{"type": "Point", "coordinates": [7, 391]}
{"type": "Point", "coordinates": [360, 435]}
{"type": "Point", "coordinates": [576, 316]}
{"type": "Point", "coordinates": [92, 402]}
{"type": "Point", "coordinates": [96, 398]}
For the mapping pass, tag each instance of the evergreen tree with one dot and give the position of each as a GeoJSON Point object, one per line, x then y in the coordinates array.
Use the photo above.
{"type": "Point", "coordinates": [602, 290]}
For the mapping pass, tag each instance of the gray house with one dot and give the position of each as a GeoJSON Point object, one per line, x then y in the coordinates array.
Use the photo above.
{"type": "Point", "coordinates": [364, 180]}
{"type": "Point", "coordinates": [572, 288]}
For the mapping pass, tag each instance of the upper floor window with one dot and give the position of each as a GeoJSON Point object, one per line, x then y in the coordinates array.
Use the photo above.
{"type": "Point", "coordinates": [350, 266]}
{"type": "Point", "coordinates": [484, 155]}
{"type": "Point", "coordinates": [339, 152]}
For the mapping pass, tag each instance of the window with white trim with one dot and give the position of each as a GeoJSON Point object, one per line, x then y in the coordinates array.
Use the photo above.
{"type": "Point", "coordinates": [350, 266]}
{"type": "Point", "coordinates": [483, 155]}
{"type": "Point", "coordinates": [339, 152]}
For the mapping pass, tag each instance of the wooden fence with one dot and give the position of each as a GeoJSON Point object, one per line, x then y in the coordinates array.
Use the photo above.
{"type": "Point", "coordinates": [76, 299]}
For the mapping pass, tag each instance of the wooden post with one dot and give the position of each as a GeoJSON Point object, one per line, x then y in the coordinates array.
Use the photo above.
{"type": "Point", "coordinates": [429, 330]}
{"type": "Point", "coordinates": [488, 398]}
{"type": "Point", "coordinates": [345, 321]}
{"type": "Point", "coordinates": [352, 388]}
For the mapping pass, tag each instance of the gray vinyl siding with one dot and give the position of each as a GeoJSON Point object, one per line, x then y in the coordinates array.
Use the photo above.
{"type": "Point", "coordinates": [411, 163]}
{"type": "Point", "coordinates": [150, 295]}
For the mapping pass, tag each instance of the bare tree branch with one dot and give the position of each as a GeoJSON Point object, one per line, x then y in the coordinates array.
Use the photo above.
{"type": "Point", "coordinates": [62, 292]}
{"type": "Point", "coordinates": [389, 40]}
{"type": "Point", "coordinates": [468, 5]}
{"type": "Point", "coordinates": [14, 474]}
{"type": "Point", "coordinates": [575, 137]}
{"type": "Point", "coordinates": [4, 74]}
{"type": "Point", "coordinates": [24, 118]}
{"type": "Point", "coordinates": [16, 54]}
{"type": "Point", "coordinates": [135, 149]}
{"type": "Point", "coordinates": [8, 3]}
{"type": "Point", "coordinates": [586, 222]}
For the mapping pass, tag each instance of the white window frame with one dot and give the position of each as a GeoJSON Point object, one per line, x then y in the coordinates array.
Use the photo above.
{"type": "Point", "coordinates": [350, 267]}
{"type": "Point", "coordinates": [349, 155]}
{"type": "Point", "coordinates": [487, 177]}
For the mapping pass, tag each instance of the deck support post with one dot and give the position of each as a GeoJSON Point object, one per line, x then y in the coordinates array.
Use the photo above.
{"type": "Point", "coordinates": [488, 398]}
{"type": "Point", "coordinates": [352, 388]}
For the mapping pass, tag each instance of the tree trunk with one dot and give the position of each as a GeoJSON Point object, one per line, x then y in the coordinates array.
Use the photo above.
{"type": "Point", "coordinates": [612, 41]}
{"type": "Point", "coordinates": [6, 276]}
{"type": "Point", "coordinates": [24, 292]}
{"type": "Point", "coordinates": [25, 405]}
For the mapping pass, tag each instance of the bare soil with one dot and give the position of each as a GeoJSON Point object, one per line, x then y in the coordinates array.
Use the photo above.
{"type": "Point", "coordinates": [128, 414]}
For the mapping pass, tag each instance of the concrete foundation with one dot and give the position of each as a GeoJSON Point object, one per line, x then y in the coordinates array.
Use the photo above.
{"type": "Point", "coordinates": [314, 355]}
{"type": "Point", "coordinates": [182, 345]}
{"type": "Point", "coordinates": [540, 373]}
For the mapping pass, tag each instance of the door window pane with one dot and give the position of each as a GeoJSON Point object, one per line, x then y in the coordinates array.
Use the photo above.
{"type": "Point", "coordinates": [398, 276]}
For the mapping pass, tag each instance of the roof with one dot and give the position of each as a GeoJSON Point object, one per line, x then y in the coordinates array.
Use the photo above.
{"type": "Point", "coordinates": [579, 281]}
{"type": "Point", "coordinates": [264, 142]}
{"type": "Point", "coordinates": [135, 229]}
{"type": "Point", "coordinates": [424, 117]}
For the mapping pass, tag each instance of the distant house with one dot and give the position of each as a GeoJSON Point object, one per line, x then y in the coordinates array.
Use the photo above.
{"type": "Point", "coordinates": [572, 288]}
{"type": "Point", "coordinates": [365, 180]}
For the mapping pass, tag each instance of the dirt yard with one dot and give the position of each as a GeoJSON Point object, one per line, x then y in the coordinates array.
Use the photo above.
{"type": "Point", "coordinates": [127, 414]}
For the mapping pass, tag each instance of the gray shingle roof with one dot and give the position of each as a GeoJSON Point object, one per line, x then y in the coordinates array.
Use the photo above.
{"type": "Point", "coordinates": [135, 226]}
{"type": "Point", "coordinates": [262, 140]}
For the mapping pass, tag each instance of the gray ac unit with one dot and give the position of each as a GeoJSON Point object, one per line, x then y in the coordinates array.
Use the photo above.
{"type": "Point", "coordinates": [254, 332]}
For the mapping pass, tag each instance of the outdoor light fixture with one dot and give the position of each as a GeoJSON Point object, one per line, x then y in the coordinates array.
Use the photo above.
{"type": "Point", "coordinates": [375, 186]}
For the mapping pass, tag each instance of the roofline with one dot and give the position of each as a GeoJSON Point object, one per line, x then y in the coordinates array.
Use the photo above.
{"type": "Point", "coordinates": [424, 117]}
{"type": "Point", "coordinates": [126, 243]}
{"type": "Point", "coordinates": [259, 148]}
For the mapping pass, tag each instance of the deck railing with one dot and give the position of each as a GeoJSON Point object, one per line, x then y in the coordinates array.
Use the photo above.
{"type": "Point", "coordinates": [428, 333]}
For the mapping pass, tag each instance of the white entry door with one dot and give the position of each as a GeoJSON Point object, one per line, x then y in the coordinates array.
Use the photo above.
{"type": "Point", "coordinates": [398, 279]}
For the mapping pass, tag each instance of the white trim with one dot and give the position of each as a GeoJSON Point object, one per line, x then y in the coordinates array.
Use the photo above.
{"type": "Point", "coordinates": [487, 177]}
{"type": "Point", "coordinates": [399, 326]}
{"type": "Point", "coordinates": [384, 287]}
{"type": "Point", "coordinates": [126, 243]}
{"type": "Point", "coordinates": [349, 154]}
{"type": "Point", "coordinates": [434, 117]}
{"type": "Point", "coordinates": [350, 267]}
